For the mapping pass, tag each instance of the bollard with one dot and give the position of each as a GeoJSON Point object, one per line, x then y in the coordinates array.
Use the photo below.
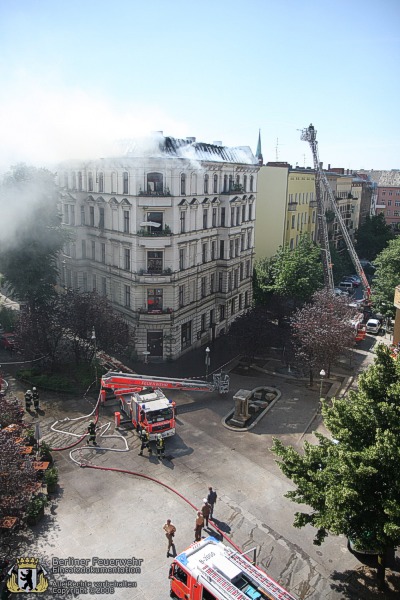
{"type": "Point", "coordinates": [117, 419]}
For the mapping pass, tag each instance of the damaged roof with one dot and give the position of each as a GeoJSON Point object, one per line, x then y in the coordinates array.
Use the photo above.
{"type": "Point", "coordinates": [160, 146]}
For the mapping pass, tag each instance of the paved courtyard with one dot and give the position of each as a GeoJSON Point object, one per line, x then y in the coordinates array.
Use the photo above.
{"type": "Point", "coordinates": [115, 515]}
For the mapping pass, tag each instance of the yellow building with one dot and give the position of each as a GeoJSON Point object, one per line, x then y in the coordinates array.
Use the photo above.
{"type": "Point", "coordinates": [272, 182]}
{"type": "Point", "coordinates": [301, 206]}
{"type": "Point", "coordinates": [286, 207]}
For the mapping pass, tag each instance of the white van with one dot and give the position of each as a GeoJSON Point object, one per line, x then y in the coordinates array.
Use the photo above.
{"type": "Point", "coordinates": [346, 286]}
{"type": "Point", "coordinates": [373, 326]}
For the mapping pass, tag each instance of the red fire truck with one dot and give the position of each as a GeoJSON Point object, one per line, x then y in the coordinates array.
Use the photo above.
{"type": "Point", "coordinates": [142, 400]}
{"type": "Point", "coordinates": [209, 570]}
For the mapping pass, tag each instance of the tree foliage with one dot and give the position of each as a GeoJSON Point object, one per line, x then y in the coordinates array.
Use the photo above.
{"type": "Point", "coordinates": [373, 236]}
{"type": "Point", "coordinates": [291, 276]}
{"type": "Point", "coordinates": [65, 328]}
{"type": "Point", "coordinates": [254, 332]}
{"type": "Point", "coordinates": [28, 258]}
{"type": "Point", "coordinates": [352, 485]}
{"type": "Point", "coordinates": [17, 475]}
{"type": "Point", "coordinates": [387, 277]}
{"type": "Point", "coordinates": [321, 330]}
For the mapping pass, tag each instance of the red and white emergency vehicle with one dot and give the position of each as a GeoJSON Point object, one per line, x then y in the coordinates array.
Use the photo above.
{"type": "Point", "coordinates": [142, 400]}
{"type": "Point", "coordinates": [359, 327]}
{"type": "Point", "coordinates": [209, 570]}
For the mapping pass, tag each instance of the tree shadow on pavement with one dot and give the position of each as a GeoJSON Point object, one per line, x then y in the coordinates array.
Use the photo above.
{"type": "Point", "coordinates": [361, 583]}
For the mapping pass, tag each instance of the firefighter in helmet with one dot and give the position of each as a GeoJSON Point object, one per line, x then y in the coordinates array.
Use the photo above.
{"type": "Point", "coordinates": [160, 445]}
{"type": "Point", "coordinates": [144, 436]}
{"type": "Point", "coordinates": [36, 400]}
{"type": "Point", "coordinates": [28, 399]}
{"type": "Point", "coordinates": [92, 433]}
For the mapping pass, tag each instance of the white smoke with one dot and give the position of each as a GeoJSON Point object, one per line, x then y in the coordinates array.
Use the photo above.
{"type": "Point", "coordinates": [43, 124]}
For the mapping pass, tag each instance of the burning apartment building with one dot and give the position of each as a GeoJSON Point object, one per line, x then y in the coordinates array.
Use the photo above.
{"type": "Point", "coordinates": [165, 230]}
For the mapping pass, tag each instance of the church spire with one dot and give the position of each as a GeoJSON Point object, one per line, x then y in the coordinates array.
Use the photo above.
{"type": "Point", "coordinates": [259, 155]}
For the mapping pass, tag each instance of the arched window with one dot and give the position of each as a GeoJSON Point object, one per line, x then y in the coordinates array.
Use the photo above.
{"type": "Point", "coordinates": [80, 181]}
{"type": "Point", "coordinates": [215, 184]}
{"type": "Point", "coordinates": [251, 183]}
{"type": "Point", "coordinates": [113, 183]}
{"type": "Point", "coordinates": [230, 183]}
{"type": "Point", "coordinates": [125, 178]}
{"type": "Point", "coordinates": [194, 184]}
{"type": "Point", "coordinates": [66, 179]}
{"type": "Point", "coordinates": [101, 182]}
{"type": "Point", "coordinates": [225, 183]}
{"type": "Point", "coordinates": [90, 181]}
{"type": "Point", "coordinates": [74, 181]}
{"type": "Point", "coordinates": [155, 183]}
{"type": "Point", "coordinates": [245, 183]}
{"type": "Point", "coordinates": [183, 184]}
{"type": "Point", "coordinates": [237, 180]}
{"type": "Point", "coordinates": [206, 184]}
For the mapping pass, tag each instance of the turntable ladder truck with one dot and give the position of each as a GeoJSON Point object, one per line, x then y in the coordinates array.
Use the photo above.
{"type": "Point", "coordinates": [310, 135]}
{"type": "Point", "coordinates": [142, 400]}
{"type": "Point", "coordinates": [209, 569]}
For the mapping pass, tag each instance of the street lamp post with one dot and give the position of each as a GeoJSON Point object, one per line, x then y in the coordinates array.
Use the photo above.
{"type": "Point", "coordinates": [207, 361]}
{"type": "Point", "coordinates": [322, 375]}
{"type": "Point", "coordinates": [95, 352]}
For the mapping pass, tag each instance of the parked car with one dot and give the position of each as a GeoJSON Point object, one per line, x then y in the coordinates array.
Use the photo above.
{"type": "Point", "coordinates": [355, 280]}
{"type": "Point", "coordinates": [7, 341]}
{"type": "Point", "coordinates": [346, 286]}
{"type": "Point", "coordinates": [373, 326]}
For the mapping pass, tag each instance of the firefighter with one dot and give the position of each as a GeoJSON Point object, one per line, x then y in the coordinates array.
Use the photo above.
{"type": "Point", "coordinates": [92, 433]}
{"type": "Point", "coordinates": [28, 400]}
{"type": "Point", "coordinates": [144, 436]}
{"type": "Point", "coordinates": [160, 445]}
{"type": "Point", "coordinates": [36, 400]}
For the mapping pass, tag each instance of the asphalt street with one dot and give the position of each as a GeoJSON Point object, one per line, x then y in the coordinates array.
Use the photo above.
{"type": "Point", "coordinates": [110, 514]}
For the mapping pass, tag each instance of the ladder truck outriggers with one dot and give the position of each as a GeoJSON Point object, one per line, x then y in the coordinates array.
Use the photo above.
{"type": "Point", "coordinates": [210, 570]}
{"type": "Point", "coordinates": [310, 135]}
{"type": "Point", "coordinates": [142, 400]}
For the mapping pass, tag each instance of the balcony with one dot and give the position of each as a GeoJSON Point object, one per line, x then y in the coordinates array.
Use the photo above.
{"type": "Point", "coordinates": [154, 277]}
{"type": "Point", "coordinates": [153, 194]}
{"type": "Point", "coordinates": [155, 232]}
{"type": "Point", "coordinates": [234, 189]}
{"type": "Point", "coordinates": [162, 316]}
{"type": "Point", "coordinates": [154, 240]}
{"type": "Point", "coordinates": [292, 206]}
{"type": "Point", "coordinates": [313, 204]}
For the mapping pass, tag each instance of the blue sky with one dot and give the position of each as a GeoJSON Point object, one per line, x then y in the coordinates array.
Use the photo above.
{"type": "Point", "coordinates": [78, 75]}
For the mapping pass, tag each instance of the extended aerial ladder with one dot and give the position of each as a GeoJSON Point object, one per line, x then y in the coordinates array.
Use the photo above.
{"type": "Point", "coordinates": [123, 383]}
{"type": "Point", "coordinates": [310, 135]}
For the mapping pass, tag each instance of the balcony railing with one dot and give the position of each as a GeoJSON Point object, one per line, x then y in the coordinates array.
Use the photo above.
{"type": "Point", "coordinates": [155, 232]}
{"type": "Point", "coordinates": [162, 194]}
{"type": "Point", "coordinates": [155, 311]}
{"type": "Point", "coordinates": [157, 273]}
{"type": "Point", "coordinates": [292, 206]}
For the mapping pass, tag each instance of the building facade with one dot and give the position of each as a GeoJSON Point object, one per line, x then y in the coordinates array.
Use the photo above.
{"type": "Point", "coordinates": [286, 207]}
{"type": "Point", "coordinates": [388, 203]}
{"type": "Point", "coordinates": [301, 207]}
{"type": "Point", "coordinates": [166, 232]}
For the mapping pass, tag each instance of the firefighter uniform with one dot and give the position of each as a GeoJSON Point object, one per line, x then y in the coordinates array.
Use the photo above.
{"type": "Point", "coordinates": [28, 399]}
{"type": "Point", "coordinates": [92, 433]}
{"type": "Point", "coordinates": [145, 442]}
{"type": "Point", "coordinates": [160, 445]}
{"type": "Point", "coordinates": [36, 400]}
